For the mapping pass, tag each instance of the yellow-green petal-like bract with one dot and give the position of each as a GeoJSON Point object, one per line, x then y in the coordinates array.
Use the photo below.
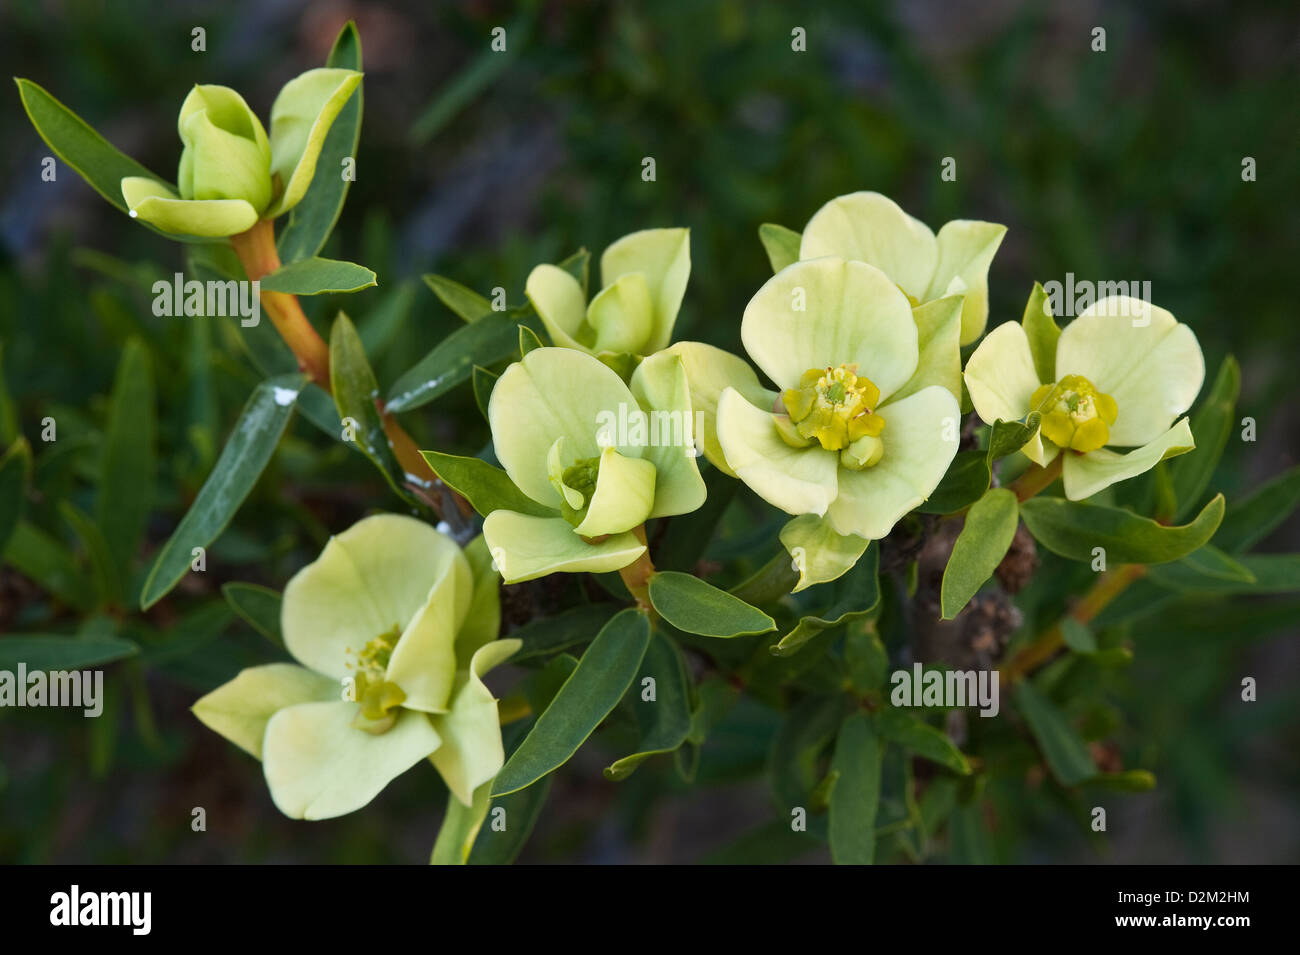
{"type": "Point", "coordinates": [301, 116]}
{"type": "Point", "coordinates": [872, 228]}
{"type": "Point", "coordinates": [643, 278]}
{"type": "Point", "coordinates": [573, 437]}
{"type": "Point", "coordinates": [868, 417]}
{"type": "Point", "coordinates": [394, 627]}
{"type": "Point", "coordinates": [1124, 355]}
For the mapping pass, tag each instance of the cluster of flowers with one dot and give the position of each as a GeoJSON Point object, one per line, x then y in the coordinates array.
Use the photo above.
{"type": "Point", "coordinates": [861, 331]}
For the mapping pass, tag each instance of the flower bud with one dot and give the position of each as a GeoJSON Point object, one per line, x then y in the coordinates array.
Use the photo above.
{"type": "Point", "coordinates": [227, 154]}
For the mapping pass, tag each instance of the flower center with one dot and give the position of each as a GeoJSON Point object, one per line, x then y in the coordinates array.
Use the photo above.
{"type": "Point", "coordinates": [836, 408]}
{"type": "Point", "coordinates": [379, 697]}
{"type": "Point", "coordinates": [576, 484]}
{"type": "Point", "coordinates": [1075, 414]}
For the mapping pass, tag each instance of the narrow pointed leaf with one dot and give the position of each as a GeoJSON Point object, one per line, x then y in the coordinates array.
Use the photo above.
{"type": "Point", "coordinates": [257, 606]}
{"type": "Point", "coordinates": [1064, 751]}
{"type": "Point", "coordinates": [490, 339]}
{"type": "Point", "coordinates": [487, 488]}
{"type": "Point", "coordinates": [586, 698]}
{"type": "Point", "coordinates": [465, 302]}
{"type": "Point", "coordinates": [250, 447]}
{"type": "Point", "coordinates": [664, 721]}
{"type": "Point", "coordinates": [127, 469]}
{"type": "Point", "coordinates": [45, 652]}
{"type": "Point", "coordinates": [856, 795]}
{"type": "Point", "coordinates": [1073, 528]}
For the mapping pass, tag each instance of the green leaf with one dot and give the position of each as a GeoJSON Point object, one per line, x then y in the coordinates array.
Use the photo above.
{"type": "Point", "coordinates": [316, 276]}
{"type": "Point", "coordinates": [664, 721]}
{"type": "Point", "coordinates": [1191, 572]}
{"type": "Point", "coordinates": [1267, 574]}
{"type": "Point", "coordinates": [1065, 752]}
{"type": "Point", "coordinates": [780, 243]}
{"type": "Point", "coordinates": [470, 82]}
{"type": "Point", "coordinates": [546, 635]}
{"type": "Point", "coordinates": [1073, 528]}
{"type": "Point", "coordinates": [981, 545]}
{"type": "Point", "coordinates": [354, 387]}
{"type": "Point", "coordinates": [47, 561]}
{"type": "Point", "coordinates": [126, 486]}
{"type": "Point", "coordinates": [796, 756]}
{"type": "Point", "coordinates": [251, 445]}
{"type": "Point", "coordinates": [1007, 437]}
{"type": "Point", "coordinates": [313, 219]}
{"type": "Point", "coordinates": [853, 596]}
{"type": "Point", "coordinates": [579, 266]}
{"type": "Point", "coordinates": [1211, 423]}
{"type": "Point", "coordinates": [1042, 331]}
{"type": "Point", "coordinates": [14, 469]}
{"type": "Point", "coordinates": [104, 569]}
{"type": "Point", "coordinates": [465, 302]}
{"type": "Point", "coordinates": [43, 652]}
{"type": "Point", "coordinates": [460, 827]}
{"type": "Point", "coordinates": [486, 488]}
{"type": "Point", "coordinates": [257, 606]}
{"type": "Point", "coordinates": [1077, 636]}
{"type": "Point", "coordinates": [500, 847]}
{"type": "Point", "coordinates": [694, 606]}
{"type": "Point", "coordinates": [1250, 519]}
{"type": "Point", "coordinates": [73, 140]}
{"type": "Point", "coordinates": [528, 340]}
{"type": "Point", "coordinates": [587, 697]}
{"type": "Point", "coordinates": [483, 382]}
{"type": "Point", "coordinates": [856, 795]}
{"type": "Point", "coordinates": [490, 339]}
{"type": "Point", "coordinates": [8, 413]}
{"type": "Point", "coordinates": [914, 734]}
{"type": "Point", "coordinates": [969, 837]}
{"type": "Point", "coordinates": [966, 481]}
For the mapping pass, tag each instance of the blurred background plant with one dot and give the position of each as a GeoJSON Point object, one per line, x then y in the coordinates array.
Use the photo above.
{"type": "Point", "coordinates": [475, 164]}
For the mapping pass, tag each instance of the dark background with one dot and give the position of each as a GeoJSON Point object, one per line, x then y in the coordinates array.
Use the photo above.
{"type": "Point", "coordinates": [478, 165]}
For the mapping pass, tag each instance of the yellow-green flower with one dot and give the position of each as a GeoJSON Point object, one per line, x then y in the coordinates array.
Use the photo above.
{"type": "Point", "coordinates": [865, 420]}
{"type": "Point", "coordinates": [1118, 376]}
{"type": "Point", "coordinates": [868, 227]}
{"type": "Point", "coordinates": [643, 278]}
{"type": "Point", "coordinates": [394, 627]}
{"type": "Point", "coordinates": [604, 456]}
{"type": "Point", "coordinates": [231, 173]}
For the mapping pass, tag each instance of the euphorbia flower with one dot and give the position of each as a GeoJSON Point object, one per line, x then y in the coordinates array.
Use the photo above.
{"type": "Point", "coordinates": [863, 427]}
{"type": "Point", "coordinates": [394, 627]}
{"type": "Point", "coordinates": [868, 227]}
{"type": "Point", "coordinates": [1117, 376]}
{"type": "Point", "coordinates": [643, 278]}
{"type": "Point", "coordinates": [231, 173]}
{"type": "Point", "coordinates": [598, 456]}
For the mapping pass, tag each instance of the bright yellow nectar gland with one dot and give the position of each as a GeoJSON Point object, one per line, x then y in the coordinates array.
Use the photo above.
{"type": "Point", "coordinates": [1075, 414]}
{"type": "Point", "coordinates": [836, 408]}
{"type": "Point", "coordinates": [379, 698]}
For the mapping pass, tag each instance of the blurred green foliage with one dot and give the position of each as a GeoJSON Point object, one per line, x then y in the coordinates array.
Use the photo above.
{"type": "Point", "coordinates": [477, 165]}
